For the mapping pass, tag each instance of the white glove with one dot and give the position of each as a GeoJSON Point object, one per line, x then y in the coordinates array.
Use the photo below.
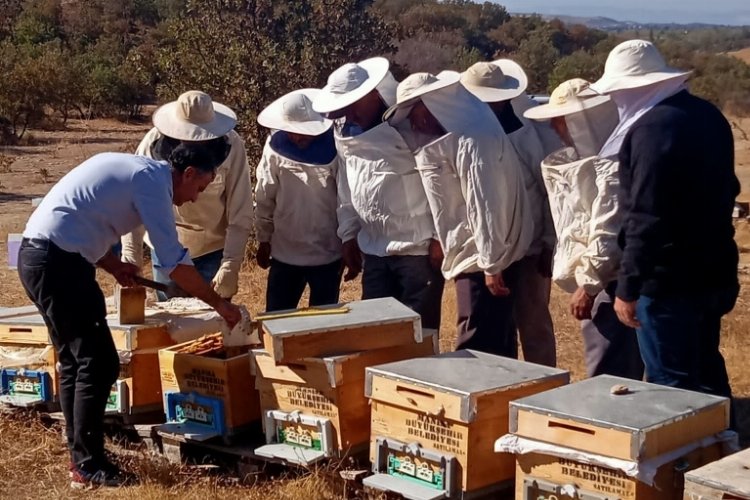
{"type": "Point", "coordinates": [225, 281]}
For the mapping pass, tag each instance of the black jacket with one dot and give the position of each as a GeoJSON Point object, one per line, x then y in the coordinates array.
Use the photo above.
{"type": "Point", "coordinates": [677, 196]}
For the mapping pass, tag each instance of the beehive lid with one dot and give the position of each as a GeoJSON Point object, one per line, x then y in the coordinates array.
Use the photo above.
{"type": "Point", "coordinates": [364, 325]}
{"type": "Point", "coordinates": [644, 408]}
{"type": "Point", "coordinates": [29, 316]}
{"type": "Point", "coordinates": [463, 374]}
{"type": "Point", "coordinates": [361, 313]}
{"type": "Point", "coordinates": [730, 475]}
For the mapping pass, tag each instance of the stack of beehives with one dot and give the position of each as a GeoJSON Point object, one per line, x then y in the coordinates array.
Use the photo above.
{"type": "Point", "coordinates": [311, 375]}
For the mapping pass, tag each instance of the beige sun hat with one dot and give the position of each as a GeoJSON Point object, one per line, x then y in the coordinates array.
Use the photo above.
{"type": "Point", "coordinates": [633, 64]}
{"type": "Point", "coordinates": [293, 112]}
{"type": "Point", "coordinates": [569, 97]}
{"type": "Point", "coordinates": [499, 80]}
{"type": "Point", "coordinates": [415, 86]}
{"type": "Point", "coordinates": [350, 83]}
{"type": "Point", "coordinates": [194, 117]}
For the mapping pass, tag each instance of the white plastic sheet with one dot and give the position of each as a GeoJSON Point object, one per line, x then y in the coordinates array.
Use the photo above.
{"type": "Point", "coordinates": [642, 471]}
{"type": "Point", "coordinates": [23, 357]}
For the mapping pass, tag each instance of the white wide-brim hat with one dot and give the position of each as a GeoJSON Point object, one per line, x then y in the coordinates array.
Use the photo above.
{"type": "Point", "coordinates": [194, 117]}
{"type": "Point", "coordinates": [350, 83]}
{"type": "Point", "coordinates": [633, 64]}
{"type": "Point", "coordinates": [413, 87]}
{"type": "Point", "coordinates": [569, 97]}
{"type": "Point", "coordinates": [499, 80]}
{"type": "Point", "coordinates": [293, 112]}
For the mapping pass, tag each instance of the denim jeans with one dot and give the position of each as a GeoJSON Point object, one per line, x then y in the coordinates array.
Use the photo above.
{"type": "Point", "coordinates": [206, 265]}
{"type": "Point", "coordinates": [679, 340]}
{"type": "Point", "coordinates": [286, 283]}
{"type": "Point", "coordinates": [63, 287]}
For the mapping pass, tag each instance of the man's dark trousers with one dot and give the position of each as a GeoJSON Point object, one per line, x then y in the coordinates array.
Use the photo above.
{"type": "Point", "coordinates": [486, 319]}
{"type": "Point", "coordinates": [679, 339]}
{"type": "Point", "coordinates": [410, 279]}
{"type": "Point", "coordinates": [286, 283]}
{"type": "Point", "coordinates": [63, 287]}
{"type": "Point", "coordinates": [611, 347]}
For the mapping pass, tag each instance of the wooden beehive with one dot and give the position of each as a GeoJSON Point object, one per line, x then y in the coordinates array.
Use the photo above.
{"type": "Point", "coordinates": [139, 371]}
{"type": "Point", "coordinates": [644, 425]}
{"type": "Point", "coordinates": [226, 381]}
{"type": "Point", "coordinates": [726, 479]}
{"type": "Point", "coordinates": [28, 328]}
{"type": "Point", "coordinates": [368, 324]}
{"type": "Point", "coordinates": [26, 347]}
{"type": "Point", "coordinates": [330, 388]}
{"type": "Point", "coordinates": [447, 409]}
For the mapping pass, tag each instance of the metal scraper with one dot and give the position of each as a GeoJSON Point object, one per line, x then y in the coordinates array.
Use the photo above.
{"type": "Point", "coordinates": [172, 290]}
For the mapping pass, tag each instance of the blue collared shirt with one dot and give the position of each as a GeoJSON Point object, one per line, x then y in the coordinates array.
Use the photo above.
{"type": "Point", "coordinates": [105, 197]}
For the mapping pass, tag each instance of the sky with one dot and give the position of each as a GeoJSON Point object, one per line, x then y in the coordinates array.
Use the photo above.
{"type": "Point", "coordinates": [734, 12]}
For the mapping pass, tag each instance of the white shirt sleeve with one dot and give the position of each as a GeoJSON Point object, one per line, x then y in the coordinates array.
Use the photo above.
{"type": "Point", "coordinates": [349, 223]}
{"type": "Point", "coordinates": [238, 205]}
{"type": "Point", "coordinates": [267, 183]}
{"type": "Point", "coordinates": [495, 204]}
{"type": "Point", "coordinates": [599, 263]}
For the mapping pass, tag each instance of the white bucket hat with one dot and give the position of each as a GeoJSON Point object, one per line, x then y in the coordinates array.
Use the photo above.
{"type": "Point", "coordinates": [293, 112]}
{"type": "Point", "coordinates": [569, 97]}
{"type": "Point", "coordinates": [414, 86]}
{"type": "Point", "coordinates": [499, 80]}
{"type": "Point", "coordinates": [633, 64]}
{"type": "Point", "coordinates": [350, 83]}
{"type": "Point", "coordinates": [194, 117]}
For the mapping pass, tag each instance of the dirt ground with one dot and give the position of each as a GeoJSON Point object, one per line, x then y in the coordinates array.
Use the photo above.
{"type": "Point", "coordinates": [32, 457]}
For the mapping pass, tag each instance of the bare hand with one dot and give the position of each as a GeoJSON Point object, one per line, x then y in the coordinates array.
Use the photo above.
{"type": "Point", "coordinates": [436, 254]}
{"type": "Point", "coordinates": [352, 259]}
{"type": "Point", "coordinates": [544, 265]}
{"type": "Point", "coordinates": [124, 272]}
{"type": "Point", "coordinates": [230, 312]}
{"type": "Point", "coordinates": [581, 304]}
{"type": "Point", "coordinates": [626, 313]}
{"type": "Point", "coordinates": [263, 257]}
{"type": "Point", "coordinates": [496, 285]}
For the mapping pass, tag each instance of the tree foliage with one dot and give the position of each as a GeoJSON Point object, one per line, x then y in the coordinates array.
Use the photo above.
{"type": "Point", "coordinates": [246, 53]}
{"type": "Point", "coordinates": [86, 58]}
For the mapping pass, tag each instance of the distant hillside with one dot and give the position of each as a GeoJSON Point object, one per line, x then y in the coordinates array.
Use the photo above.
{"type": "Point", "coordinates": [742, 55]}
{"type": "Point", "coordinates": [608, 24]}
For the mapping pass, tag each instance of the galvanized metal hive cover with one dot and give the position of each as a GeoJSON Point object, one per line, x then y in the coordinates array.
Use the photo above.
{"type": "Point", "coordinates": [361, 313]}
{"type": "Point", "coordinates": [590, 401]}
{"type": "Point", "coordinates": [463, 372]}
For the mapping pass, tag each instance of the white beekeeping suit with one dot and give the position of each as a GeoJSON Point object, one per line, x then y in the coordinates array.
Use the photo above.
{"type": "Point", "coordinates": [296, 209]}
{"type": "Point", "coordinates": [532, 142]}
{"type": "Point", "coordinates": [474, 186]}
{"type": "Point", "coordinates": [221, 218]}
{"type": "Point", "coordinates": [583, 193]}
{"type": "Point", "coordinates": [381, 198]}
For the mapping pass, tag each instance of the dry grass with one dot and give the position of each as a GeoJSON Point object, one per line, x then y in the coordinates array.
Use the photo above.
{"type": "Point", "coordinates": [33, 459]}
{"type": "Point", "coordinates": [742, 54]}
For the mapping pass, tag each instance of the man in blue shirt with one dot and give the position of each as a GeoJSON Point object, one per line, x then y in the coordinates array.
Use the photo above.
{"type": "Point", "coordinates": [67, 237]}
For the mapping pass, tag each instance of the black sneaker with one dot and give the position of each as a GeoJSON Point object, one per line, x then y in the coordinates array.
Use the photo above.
{"type": "Point", "coordinates": [106, 477]}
